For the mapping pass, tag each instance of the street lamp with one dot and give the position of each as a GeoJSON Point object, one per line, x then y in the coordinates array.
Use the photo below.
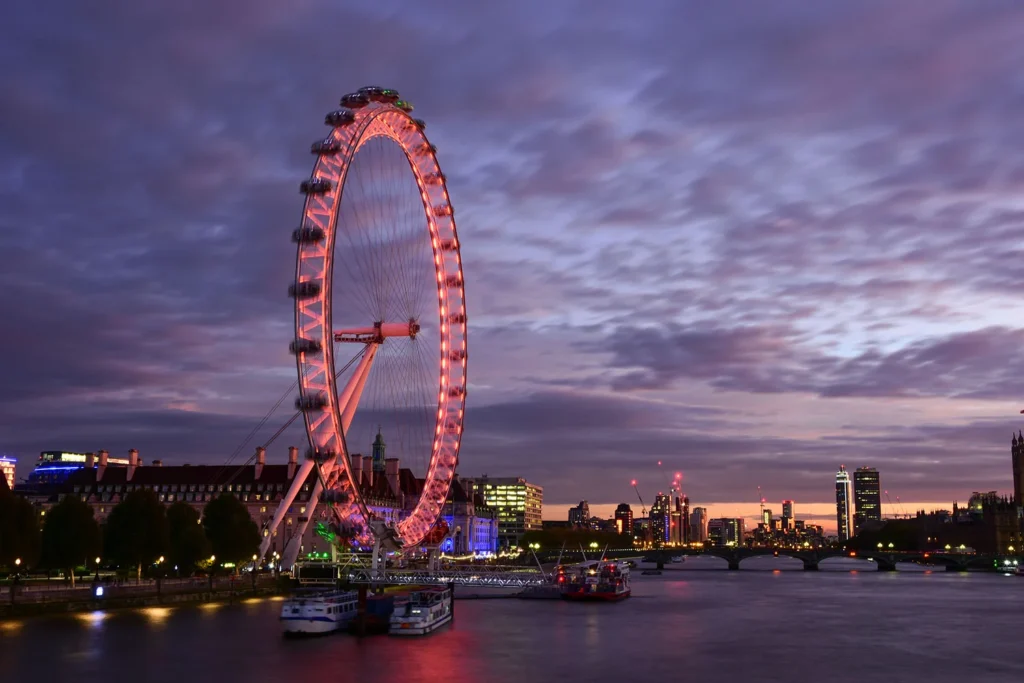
{"type": "Point", "coordinates": [593, 544]}
{"type": "Point", "coordinates": [879, 545]}
{"type": "Point", "coordinates": [17, 562]}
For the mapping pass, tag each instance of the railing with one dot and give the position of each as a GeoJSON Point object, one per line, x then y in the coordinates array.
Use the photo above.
{"type": "Point", "coordinates": [484, 575]}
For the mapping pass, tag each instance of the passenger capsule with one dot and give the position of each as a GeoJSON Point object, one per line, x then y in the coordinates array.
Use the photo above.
{"type": "Point", "coordinates": [307, 289]}
{"type": "Point", "coordinates": [311, 402]}
{"type": "Point", "coordinates": [305, 346]}
{"type": "Point", "coordinates": [320, 456]}
{"type": "Point", "coordinates": [420, 123]}
{"type": "Point", "coordinates": [389, 95]}
{"type": "Point", "coordinates": [404, 106]}
{"type": "Point", "coordinates": [339, 117]}
{"type": "Point", "coordinates": [325, 147]}
{"type": "Point", "coordinates": [308, 234]}
{"type": "Point", "coordinates": [355, 100]}
{"type": "Point", "coordinates": [315, 186]}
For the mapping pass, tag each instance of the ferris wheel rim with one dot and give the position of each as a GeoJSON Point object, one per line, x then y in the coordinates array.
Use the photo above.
{"type": "Point", "coordinates": [316, 371]}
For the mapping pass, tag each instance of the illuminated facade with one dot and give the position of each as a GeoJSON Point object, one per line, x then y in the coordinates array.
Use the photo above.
{"type": "Point", "coordinates": [661, 520]}
{"type": "Point", "coordinates": [726, 531]}
{"type": "Point", "coordinates": [261, 488]}
{"type": "Point", "coordinates": [7, 467]}
{"type": "Point", "coordinates": [867, 496]}
{"type": "Point", "coordinates": [699, 525]}
{"type": "Point", "coordinates": [516, 502]}
{"type": "Point", "coordinates": [844, 505]}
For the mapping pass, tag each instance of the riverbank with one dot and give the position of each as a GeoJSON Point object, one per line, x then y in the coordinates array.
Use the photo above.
{"type": "Point", "coordinates": [89, 599]}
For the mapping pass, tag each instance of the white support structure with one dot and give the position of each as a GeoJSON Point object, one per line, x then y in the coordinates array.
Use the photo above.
{"type": "Point", "coordinates": [349, 399]}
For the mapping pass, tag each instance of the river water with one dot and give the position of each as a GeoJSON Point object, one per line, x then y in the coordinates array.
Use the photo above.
{"type": "Point", "coordinates": [686, 625]}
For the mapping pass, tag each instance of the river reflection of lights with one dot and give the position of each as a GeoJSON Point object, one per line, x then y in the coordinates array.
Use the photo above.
{"type": "Point", "coordinates": [93, 619]}
{"type": "Point", "coordinates": [157, 615]}
{"type": "Point", "coordinates": [10, 627]}
{"type": "Point", "coordinates": [211, 606]}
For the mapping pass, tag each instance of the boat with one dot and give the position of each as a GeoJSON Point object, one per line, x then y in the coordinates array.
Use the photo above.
{"type": "Point", "coordinates": [597, 580]}
{"type": "Point", "coordinates": [313, 612]}
{"type": "Point", "coordinates": [422, 612]}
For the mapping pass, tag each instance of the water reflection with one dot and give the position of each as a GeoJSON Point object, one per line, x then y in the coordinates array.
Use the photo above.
{"type": "Point", "coordinates": [715, 625]}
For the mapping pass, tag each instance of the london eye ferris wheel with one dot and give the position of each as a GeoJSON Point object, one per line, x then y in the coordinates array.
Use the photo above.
{"type": "Point", "coordinates": [380, 318]}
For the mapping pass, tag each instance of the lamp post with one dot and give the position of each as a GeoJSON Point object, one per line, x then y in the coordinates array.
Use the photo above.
{"type": "Point", "coordinates": [254, 558]}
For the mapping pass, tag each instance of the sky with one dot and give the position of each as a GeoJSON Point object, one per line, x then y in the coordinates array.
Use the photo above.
{"type": "Point", "coordinates": [754, 241]}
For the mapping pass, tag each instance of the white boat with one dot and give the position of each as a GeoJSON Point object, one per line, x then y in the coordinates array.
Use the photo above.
{"type": "Point", "coordinates": [317, 611]}
{"type": "Point", "coordinates": [422, 612]}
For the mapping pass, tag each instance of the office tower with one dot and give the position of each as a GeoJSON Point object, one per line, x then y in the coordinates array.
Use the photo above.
{"type": "Point", "coordinates": [624, 520]}
{"type": "Point", "coordinates": [661, 519]}
{"type": "Point", "coordinates": [518, 503]}
{"type": "Point", "coordinates": [867, 496]}
{"type": "Point", "coordinates": [843, 504]}
{"type": "Point", "coordinates": [699, 525]}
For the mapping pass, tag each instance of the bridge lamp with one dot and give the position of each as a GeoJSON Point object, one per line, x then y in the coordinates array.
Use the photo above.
{"type": "Point", "coordinates": [947, 546]}
{"type": "Point", "coordinates": [1010, 548]}
{"type": "Point", "coordinates": [97, 561]}
{"type": "Point", "coordinates": [593, 544]}
{"type": "Point", "coordinates": [17, 562]}
{"type": "Point", "coordinates": [879, 544]}
{"type": "Point", "coordinates": [890, 545]}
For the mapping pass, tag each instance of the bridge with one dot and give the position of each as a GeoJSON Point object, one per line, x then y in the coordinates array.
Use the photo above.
{"type": "Point", "coordinates": [885, 560]}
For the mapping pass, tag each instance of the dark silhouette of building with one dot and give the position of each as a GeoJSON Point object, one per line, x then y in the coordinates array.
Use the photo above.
{"type": "Point", "coordinates": [867, 496]}
{"type": "Point", "coordinates": [378, 453]}
{"type": "Point", "coordinates": [624, 520]}
{"type": "Point", "coordinates": [1017, 454]}
{"type": "Point", "coordinates": [579, 516]}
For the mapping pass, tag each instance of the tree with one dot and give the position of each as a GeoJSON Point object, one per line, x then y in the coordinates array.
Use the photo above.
{"type": "Point", "coordinates": [71, 536]}
{"type": "Point", "coordinates": [136, 531]}
{"type": "Point", "coordinates": [188, 542]}
{"type": "Point", "coordinates": [234, 537]}
{"type": "Point", "coordinates": [19, 530]}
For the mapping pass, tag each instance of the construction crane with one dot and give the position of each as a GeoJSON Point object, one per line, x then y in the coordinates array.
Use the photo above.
{"type": "Point", "coordinates": [647, 529]}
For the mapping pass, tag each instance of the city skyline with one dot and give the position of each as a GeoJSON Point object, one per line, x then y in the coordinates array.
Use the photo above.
{"type": "Point", "coordinates": [779, 258]}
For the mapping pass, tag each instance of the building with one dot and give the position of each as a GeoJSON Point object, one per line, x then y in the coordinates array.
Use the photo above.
{"type": "Point", "coordinates": [844, 501]}
{"type": "Point", "coordinates": [726, 531]}
{"type": "Point", "coordinates": [624, 520]}
{"type": "Point", "coordinates": [7, 467]}
{"type": "Point", "coordinates": [1017, 459]}
{"type": "Point", "coordinates": [867, 496]}
{"type": "Point", "coordinates": [788, 518]}
{"type": "Point", "coordinates": [661, 520]}
{"type": "Point", "coordinates": [699, 525]}
{"type": "Point", "coordinates": [261, 487]}
{"type": "Point", "coordinates": [579, 516]}
{"type": "Point", "coordinates": [517, 503]}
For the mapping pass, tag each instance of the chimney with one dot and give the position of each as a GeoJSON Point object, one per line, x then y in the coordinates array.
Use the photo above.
{"type": "Point", "coordinates": [158, 463]}
{"type": "Point", "coordinates": [356, 467]}
{"type": "Point", "coordinates": [90, 461]}
{"type": "Point", "coordinates": [261, 460]}
{"type": "Point", "coordinates": [391, 471]}
{"type": "Point", "coordinates": [368, 470]}
{"type": "Point", "coordinates": [102, 467]}
{"type": "Point", "coordinates": [293, 462]}
{"type": "Point", "coordinates": [133, 462]}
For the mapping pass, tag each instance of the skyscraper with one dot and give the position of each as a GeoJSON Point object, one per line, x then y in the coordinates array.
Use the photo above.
{"type": "Point", "coordinates": [699, 525]}
{"type": "Point", "coordinates": [867, 496]}
{"type": "Point", "coordinates": [518, 504]}
{"type": "Point", "coordinates": [843, 504]}
{"type": "Point", "coordinates": [624, 520]}
{"type": "Point", "coordinates": [1017, 454]}
{"type": "Point", "coordinates": [661, 519]}
{"type": "Point", "coordinates": [787, 514]}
